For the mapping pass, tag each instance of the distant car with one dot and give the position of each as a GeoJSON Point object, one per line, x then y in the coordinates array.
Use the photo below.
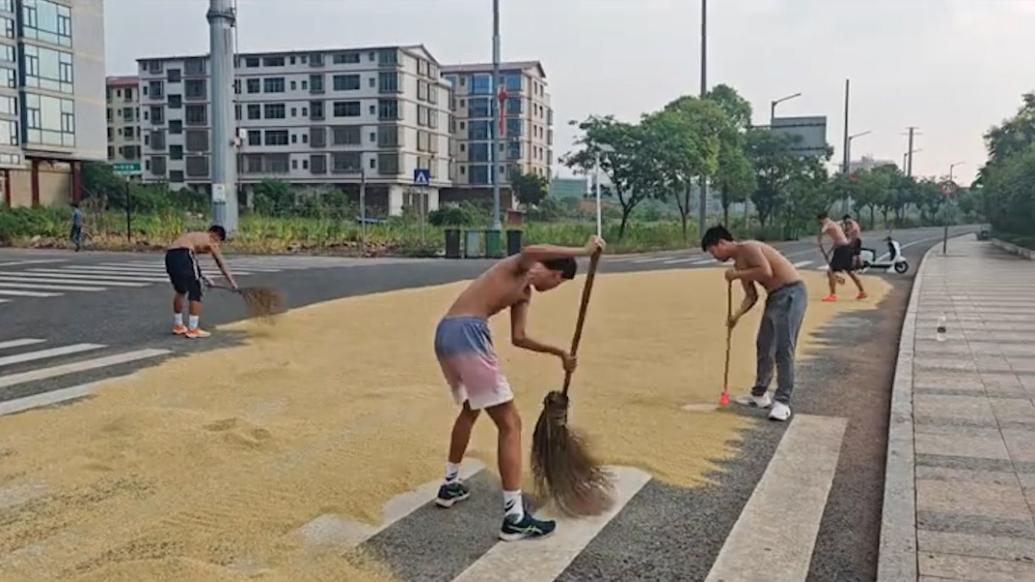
{"type": "Point", "coordinates": [368, 220]}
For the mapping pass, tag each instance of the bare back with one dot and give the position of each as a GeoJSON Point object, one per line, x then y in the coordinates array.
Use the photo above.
{"type": "Point", "coordinates": [504, 285]}
{"type": "Point", "coordinates": [835, 232]}
{"type": "Point", "coordinates": [198, 242]}
{"type": "Point", "coordinates": [783, 272]}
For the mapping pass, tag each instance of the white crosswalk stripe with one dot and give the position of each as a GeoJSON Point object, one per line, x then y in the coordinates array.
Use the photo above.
{"type": "Point", "coordinates": [704, 262]}
{"type": "Point", "coordinates": [678, 261]}
{"type": "Point", "coordinates": [10, 293]}
{"type": "Point", "coordinates": [94, 277]}
{"type": "Point", "coordinates": [6, 345]}
{"type": "Point", "coordinates": [801, 264]}
{"type": "Point", "coordinates": [41, 278]}
{"type": "Point", "coordinates": [48, 353]}
{"type": "Point", "coordinates": [44, 287]}
{"type": "Point", "coordinates": [37, 374]}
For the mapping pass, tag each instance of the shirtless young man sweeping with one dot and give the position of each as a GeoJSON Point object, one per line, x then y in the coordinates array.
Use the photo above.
{"type": "Point", "coordinates": [465, 352]}
{"type": "Point", "coordinates": [841, 259]}
{"type": "Point", "coordinates": [756, 262]}
{"type": "Point", "coordinates": [181, 264]}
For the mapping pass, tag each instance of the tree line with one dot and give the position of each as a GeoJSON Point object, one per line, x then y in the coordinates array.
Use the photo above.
{"type": "Point", "coordinates": [1007, 180]}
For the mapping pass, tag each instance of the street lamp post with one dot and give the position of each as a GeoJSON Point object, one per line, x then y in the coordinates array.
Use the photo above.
{"type": "Point", "coordinates": [703, 209]}
{"type": "Point", "coordinates": [847, 164]}
{"type": "Point", "coordinates": [497, 225]}
{"type": "Point", "coordinates": [773, 104]}
{"type": "Point", "coordinates": [952, 166]}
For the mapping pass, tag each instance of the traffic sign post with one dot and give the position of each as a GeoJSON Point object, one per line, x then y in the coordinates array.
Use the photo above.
{"type": "Point", "coordinates": [422, 179]}
{"type": "Point", "coordinates": [948, 188]}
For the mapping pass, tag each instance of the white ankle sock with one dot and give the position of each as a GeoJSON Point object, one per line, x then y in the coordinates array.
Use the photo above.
{"type": "Point", "coordinates": [452, 472]}
{"type": "Point", "coordinates": [513, 506]}
{"type": "Point", "coordinates": [177, 319]}
{"type": "Point", "coordinates": [194, 321]}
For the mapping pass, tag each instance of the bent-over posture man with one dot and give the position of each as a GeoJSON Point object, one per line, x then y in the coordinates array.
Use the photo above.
{"type": "Point", "coordinates": [854, 234]}
{"type": "Point", "coordinates": [841, 259]}
{"type": "Point", "coordinates": [465, 352]}
{"type": "Point", "coordinates": [756, 262]}
{"type": "Point", "coordinates": [181, 262]}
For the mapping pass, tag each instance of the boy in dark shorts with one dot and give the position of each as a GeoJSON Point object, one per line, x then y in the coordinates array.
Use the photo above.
{"type": "Point", "coordinates": [181, 263]}
{"type": "Point", "coordinates": [465, 353]}
{"type": "Point", "coordinates": [842, 259]}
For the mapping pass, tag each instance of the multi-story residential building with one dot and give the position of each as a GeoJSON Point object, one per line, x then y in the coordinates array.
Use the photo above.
{"type": "Point", "coordinates": [51, 97]}
{"type": "Point", "coordinates": [124, 125]}
{"type": "Point", "coordinates": [527, 136]}
{"type": "Point", "coordinates": [331, 117]}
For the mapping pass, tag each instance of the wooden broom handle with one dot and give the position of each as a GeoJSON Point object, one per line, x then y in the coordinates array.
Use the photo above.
{"type": "Point", "coordinates": [583, 307]}
{"type": "Point", "coordinates": [729, 334]}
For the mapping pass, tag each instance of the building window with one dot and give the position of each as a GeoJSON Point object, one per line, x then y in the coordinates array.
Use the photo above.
{"type": "Point", "coordinates": [276, 137]}
{"type": "Point", "coordinates": [318, 163]}
{"type": "Point", "coordinates": [514, 127]}
{"type": "Point", "coordinates": [512, 81]}
{"type": "Point", "coordinates": [273, 85]}
{"type": "Point", "coordinates": [129, 132]}
{"type": "Point", "coordinates": [252, 163]}
{"type": "Point", "coordinates": [176, 176]}
{"type": "Point", "coordinates": [315, 59]}
{"type": "Point", "coordinates": [514, 106]}
{"type": "Point", "coordinates": [388, 137]}
{"type": "Point", "coordinates": [158, 166]}
{"type": "Point", "coordinates": [174, 75]}
{"type": "Point", "coordinates": [194, 66]}
{"type": "Point", "coordinates": [514, 150]}
{"type": "Point", "coordinates": [52, 70]}
{"type": "Point", "coordinates": [479, 175]}
{"type": "Point", "coordinates": [8, 27]}
{"type": "Point", "coordinates": [373, 137]}
{"type": "Point", "coordinates": [479, 108]}
{"type": "Point", "coordinates": [251, 62]}
{"type": "Point", "coordinates": [372, 81]}
{"type": "Point", "coordinates": [175, 102]}
{"type": "Point", "coordinates": [175, 127]}
{"type": "Point", "coordinates": [273, 61]}
{"type": "Point", "coordinates": [305, 84]}
{"type": "Point", "coordinates": [47, 21]}
{"type": "Point", "coordinates": [254, 85]}
{"type": "Point", "coordinates": [9, 106]}
{"type": "Point", "coordinates": [387, 57]}
{"type": "Point", "coordinates": [197, 140]}
{"type": "Point", "coordinates": [422, 116]}
{"type": "Point", "coordinates": [478, 129]}
{"type": "Point", "coordinates": [158, 140]}
{"type": "Point", "coordinates": [315, 110]}
{"type": "Point", "coordinates": [294, 138]}
{"type": "Point", "coordinates": [481, 84]}
{"type": "Point", "coordinates": [197, 166]}
{"type": "Point", "coordinates": [195, 89]}
{"type": "Point", "coordinates": [254, 111]}
{"type": "Point", "coordinates": [346, 162]}
{"type": "Point", "coordinates": [294, 164]}
{"type": "Point", "coordinates": [157, 115]}
{"type": "Point", "coordinates": [294, 112]}
{"type": "Point", "coordinates": [346, 58]}
{"type": "Point", "coordinates": [275, 111]}
{"type": "Point", "coordinates": [422, 89]}
{"type": "Point", "coordinates": [254, 137]}
{"type": "Point", "coordinates": [388, 82]}
{"type": "Point", "coordinates": [305, 164]}
{"type": "Point", "coordinates": [8, 54]}
{"type": "Point", "coordinates": [315, 84]}
{"type": "Point", "coordinates": [8, 78]}
{"type": "Point", "coordinates": [292, 60]}
{"type": "Point", "coordinates": [8, 132]}
{"type": "Point", "coordinates": [423, 141]}
{"type": "Point", "coordinates": [388, 110]}
{"type": "Point", "coordinates": [348, 135]}
{"type": "Point", "coordinates": [175, 152]}
{"type": "Point", "coordinates": [346, 82]}
{"type": "Point", "coordinates": [388, 164]}
{"type": "Point", "coordinates": [346, 109]}
{"type": "Point", "coordinates": [196, 115]}
{"type": "Point", "coordinates": [479, 152]}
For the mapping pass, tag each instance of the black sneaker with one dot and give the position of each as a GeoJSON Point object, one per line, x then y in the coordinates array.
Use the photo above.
{"type": "Point", "coordinates": [528, 528]}
{"type": "Point", "coordinates": [452, 493]}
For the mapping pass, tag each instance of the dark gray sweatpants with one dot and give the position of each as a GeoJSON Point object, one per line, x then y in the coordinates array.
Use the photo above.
{"type": "Point", "coordinates": [777, 339]}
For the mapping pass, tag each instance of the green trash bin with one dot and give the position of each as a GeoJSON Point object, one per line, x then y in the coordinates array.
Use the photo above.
{"type": "Point", "coordinates": [514, 242]}
{"type": "Point", "coordinates": [452, 243]}
{"type": "Point", "coordinates": [493, 244]}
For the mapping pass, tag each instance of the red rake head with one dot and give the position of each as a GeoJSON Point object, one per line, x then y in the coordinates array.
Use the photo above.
{"type": "Point", "coordinates": [724, 400]}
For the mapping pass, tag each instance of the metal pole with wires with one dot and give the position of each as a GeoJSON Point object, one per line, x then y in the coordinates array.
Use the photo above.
{"type": "Point", "coordinates": [702, 212]}
{"type": "Point", "coordinates": [496, 118]}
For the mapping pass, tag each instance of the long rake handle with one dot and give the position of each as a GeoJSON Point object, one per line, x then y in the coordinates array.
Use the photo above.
{"type": "Point", "coordinates": [729, 335]}
{"type": "Point", "coordinates": [583, 307]}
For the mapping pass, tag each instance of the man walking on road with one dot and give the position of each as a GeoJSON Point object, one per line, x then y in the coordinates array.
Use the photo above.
{"type": "Point", "coordinates": [758, 263]}
{"type": "Point", "coordinates": [181, 263]}
{"type": "Point", "coordinates": [465, 353]}
{"type": "Point", "coordinates": [77, 227]}
{"type": "Point", "coordinates": [853, 232]}
{"type": "Point", "coordinates": [840, 259]}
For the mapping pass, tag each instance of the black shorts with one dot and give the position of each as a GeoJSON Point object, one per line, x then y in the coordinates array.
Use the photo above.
{"type": "Point", "coordinates": [843, 259]}
{"type": "Point", "coordinates": [184, 272]}
{"type": "Point", "coordinates": [857, 247]}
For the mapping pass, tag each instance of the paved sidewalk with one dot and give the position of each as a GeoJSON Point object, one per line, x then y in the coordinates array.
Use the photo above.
{"type": "Point", "coordinates": [960, 487]}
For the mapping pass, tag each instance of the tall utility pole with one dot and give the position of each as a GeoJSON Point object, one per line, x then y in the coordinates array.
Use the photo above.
{"type": "Point", "coordinates": [221, 21]}
{"type": "Point", "coordinates": [497, 225]}
{"type": "Point", "coordinates": [702, 214]}
{"type": "Point", "coordinates": [847, 147]}
{"type": "Point", "coordinates": [909, 160]}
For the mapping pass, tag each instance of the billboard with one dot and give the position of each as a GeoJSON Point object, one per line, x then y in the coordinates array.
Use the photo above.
{"type": "Point", "coordinates": [811, 130]}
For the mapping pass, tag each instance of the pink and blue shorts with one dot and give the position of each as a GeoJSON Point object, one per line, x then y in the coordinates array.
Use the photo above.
{"type": "Point", "coordinates": [464, 349]}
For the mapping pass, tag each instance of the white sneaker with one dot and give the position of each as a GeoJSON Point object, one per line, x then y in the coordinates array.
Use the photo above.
{"type": "Point", "coordinates": [780, 412]}
{"type": "Point", "coordinates": [762, 401]}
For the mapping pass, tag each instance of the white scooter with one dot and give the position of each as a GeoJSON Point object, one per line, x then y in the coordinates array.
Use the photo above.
{"type": "Point", "coordinates": [895, 260]}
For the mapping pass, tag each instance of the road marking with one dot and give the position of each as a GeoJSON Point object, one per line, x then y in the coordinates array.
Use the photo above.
{"type": "Point", "coordinates": [776, 532]}
{"type": "Point", "coordinates": [41, 278]}
{"type": "Point", "coordinates": [5, 300]}
{"type": "Point", "coordinates": [49, 287]}
{"type": "Point", "coordinates": [649, 260]}
{"type": "Point", "coordinates": [48, 353]}
{"type": "Point", "coordinates": [704, 262]}
{"type": "Point", "coordinates": [160, 269]}
{"type": "Point", "coordinates": [128, 271]}
{"type": "Point", "coordinates": [103, 362]}
{"type": "Point", "coordinates": [801, 264]}
{"type": "Point", "coordinates": [677, 261]}
{"type": "Point", "coordinates": [32, 262]}
{"type": "Point", "coordinates": [545, 559]}
{"type": "Point", "coordinates": [28, 294]}
{"type": "Point", "coordinates": [46, 398]}
{"type": "Point", "coordinates": [72, 274]}
{"type": "Point", "coordinates": [19, 343]}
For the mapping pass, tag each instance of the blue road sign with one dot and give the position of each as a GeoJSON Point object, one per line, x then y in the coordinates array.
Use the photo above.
{"type": "Point", "coordinates": [422, 177]}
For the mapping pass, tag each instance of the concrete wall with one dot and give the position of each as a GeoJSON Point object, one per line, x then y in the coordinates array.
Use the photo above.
{"type": "Point", "coordinates": [55, 186]}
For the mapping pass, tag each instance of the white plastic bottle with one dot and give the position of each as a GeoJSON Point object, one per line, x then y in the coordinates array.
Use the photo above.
{"type": "Point", "coordinates": [940, 332]}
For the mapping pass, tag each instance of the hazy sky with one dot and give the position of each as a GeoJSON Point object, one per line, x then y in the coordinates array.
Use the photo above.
{"type": "Point", "coordinates": [951, 67]}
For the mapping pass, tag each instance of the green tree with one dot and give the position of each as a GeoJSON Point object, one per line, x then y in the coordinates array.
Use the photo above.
{"type": "Point", "coordinates": [1009, 193]}
{"type": "Point", "coordinates": [530, 189]}
{"type": "Point", "coordinates": [735, 177]}
{"type": "Point", "coordinates": [776, 165]}
{"type": "Point", "coordinates": [274, 198]}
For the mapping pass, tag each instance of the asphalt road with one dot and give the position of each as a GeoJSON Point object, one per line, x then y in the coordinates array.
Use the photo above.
{"type": "Point", "coordinates": [663, 533]}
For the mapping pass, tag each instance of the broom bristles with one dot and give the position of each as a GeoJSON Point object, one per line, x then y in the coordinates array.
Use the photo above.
{"type": "Point", "coordinates": [262, 302]}
{"type": "Point", "coordinates": [563, 468]}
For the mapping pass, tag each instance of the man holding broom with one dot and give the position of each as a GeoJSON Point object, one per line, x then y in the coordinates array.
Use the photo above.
{"type": "Point", "coordinates": [756, 262]}
{"type": "Point", "coordinates": [842, 257]}
{"type": "Point", "coordinates": [465, 352]}
{"type": "Point", "coordinates": [181, 263]}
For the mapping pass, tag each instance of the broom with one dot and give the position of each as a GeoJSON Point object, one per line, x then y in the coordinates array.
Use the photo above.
{"type": "Point", "coordinates": [562, 466]}
{"type": "Point", "coordinates": [262, 302]}
{"type": "Point", "coordinates": [724, 400]}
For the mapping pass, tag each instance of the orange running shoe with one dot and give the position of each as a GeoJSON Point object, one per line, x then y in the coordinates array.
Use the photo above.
{"type": "Point", "coordinates": [862, 295]}
{"type": "Point", "coordinates": [196, 333]}
{"type": "Point", "coordinates": [830, 298]}
{"type": "Point", "coordinates": [179, 329]}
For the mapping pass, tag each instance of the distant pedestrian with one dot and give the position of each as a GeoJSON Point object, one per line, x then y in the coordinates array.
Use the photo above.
{"type": "Point", "coordinates": [77, 227]}
{"type": "Point", "coordinates": [853, 231]}
{"type": "Point", "coordinates": [840, 258]}
{"type": "Point", "coordinates": [756, 263]}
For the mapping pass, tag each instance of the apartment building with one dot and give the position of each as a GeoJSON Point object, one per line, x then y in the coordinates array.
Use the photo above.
{"type": "Point", "coordinates": [326, 118]}
{"type": "Point", "coordinates": [123, 98]}
{"type": "Point", "coordinates": [527, 136]}
{"type": "Point", "coordinates": [51, 98]}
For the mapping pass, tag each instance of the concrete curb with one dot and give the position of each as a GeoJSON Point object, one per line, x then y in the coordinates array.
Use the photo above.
{"type": "Point", "coordinates": [1014, 249]}
{"type": "Point", "coordinates": [897, 561]}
